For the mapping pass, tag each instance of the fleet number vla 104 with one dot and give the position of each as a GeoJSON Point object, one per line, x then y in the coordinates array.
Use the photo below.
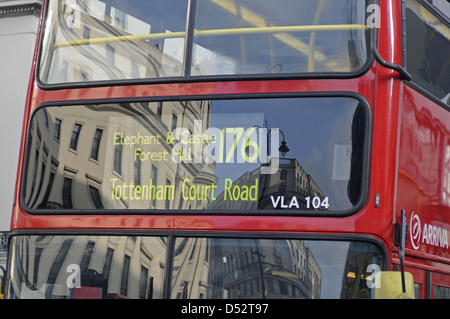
{"type": "Point", "coordinates": [316, 202]}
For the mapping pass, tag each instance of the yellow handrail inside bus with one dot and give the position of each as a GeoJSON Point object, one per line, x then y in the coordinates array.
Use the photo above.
{"type": "Point", "coordinates": [216, 32]}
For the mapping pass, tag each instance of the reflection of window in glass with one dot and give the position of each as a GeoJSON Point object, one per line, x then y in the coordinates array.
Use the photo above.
{"type": "Point", "coordinates": [118, 149]}
{"type": "Point", "coordinates": [174, 122]}
{"type": "Point", "coordinates": [191, 256]}
{"type": "Point", "coordinates": [168, 195]}
{"type": "Point", "coordinates": [57, 132]}
{"type": "Point", "coordinates": [110, 54]}
{"type": "Point", "coordinates": [86, 32]}
{"type": "Point", "coordinates": [125, 273]}
{"type": "Point", "coordinates": [154, 181]}
{"type": "Point", "coordinates": [67, 193]}
{"type": "Point", "coordinates": [283, 175]}
{"type": "Point", "coordinates": [87, 255]}
{"type": "Point", "coordinates": [137, 168]}
{"type": "Point", "coordinates": [94, 192]}
{"type": "Point", "coordinates": [108, 261]}
{"type": "Point", "coordinates": [120, 19]}
{"type": "Point", "coordinates": [65, 71]}
{"type": "Point", "coordinates": [75, 135]}
{"type": "Point", "coordinates": [45, 117]}
{"type": "Point", "coordinates": [42, 173]}
{"type": "Point", "coordinates": [57, 263]}
{"type": "Point", "coordinates": [159, 110]}
{"type": "Point", "coordinates": [35, 169]}
{"type": "Point", "coordinates": [181, 202]}
{"type": "Point", "coordinates": [37, 260]}
{"type": "Point", "coordinates": [47, 192]}
{"type": "Point", "coordinates": [96, 144]}
{"type": "Point", "coordinates": [208, 115]}
{"type": "Point", "coordinates": [134, 70]}
{"type": "Point", "coordinates": [143, 283]}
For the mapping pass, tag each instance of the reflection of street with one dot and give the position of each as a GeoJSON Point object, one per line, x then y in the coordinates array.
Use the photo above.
{"type": "Point", "coordinates": [90, 267]}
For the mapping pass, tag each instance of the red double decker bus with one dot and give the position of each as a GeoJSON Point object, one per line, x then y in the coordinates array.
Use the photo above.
{"type": "Point", "coordinates": [234, 149]}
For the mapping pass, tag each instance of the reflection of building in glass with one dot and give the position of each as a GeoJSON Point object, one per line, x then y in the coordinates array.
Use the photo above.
{"type": "Point", "coordinates": [276, 190]}
{"type": "Point", "coordinates": [263, 269]}
{"type": "Point", "coordinates": [91, 267]}
{"type": "Point", "coordinates": [84, 20]}
{"type": "Point", "coordinates": [220, 268]}
{"type": "Point", "coordinates": [113, 156]}
{"type": "Point", "coordinates": [290, 181]}
{"type": "Point", "coordinates": [191, 266]}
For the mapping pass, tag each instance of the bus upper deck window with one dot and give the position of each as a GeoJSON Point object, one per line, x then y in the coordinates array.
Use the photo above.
{"type": "Point", "coordinates": [127, 40]}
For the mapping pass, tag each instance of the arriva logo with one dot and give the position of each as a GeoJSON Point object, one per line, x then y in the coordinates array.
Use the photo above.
{"type": "Point", "coordinates": [428, 234]}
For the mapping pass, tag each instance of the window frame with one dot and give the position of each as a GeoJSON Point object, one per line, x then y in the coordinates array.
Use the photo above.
{"type": "Point", "coordinates": [170, 238]}
{"type": "Point", "coordinates": [75, 136]}
{"type": "Point", "coordinates": [365, 161]}
{"type": "Point", "coordinates": [371, 43]}
{"type": "Point", "coordinates": [446, 20]}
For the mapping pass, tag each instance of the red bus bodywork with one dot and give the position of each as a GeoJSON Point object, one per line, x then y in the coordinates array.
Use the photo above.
{"type": "Point", "coordinates": [409, 160]}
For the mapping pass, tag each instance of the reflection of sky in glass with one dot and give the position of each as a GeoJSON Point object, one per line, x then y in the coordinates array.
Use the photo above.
{"type": "Point", "coordinates": [154, 12]}
{"type": "Point", "coordinates": [312, 128]}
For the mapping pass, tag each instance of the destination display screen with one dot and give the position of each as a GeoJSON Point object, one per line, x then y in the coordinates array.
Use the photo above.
{"type": "Point", "coordinates": [284, 154]}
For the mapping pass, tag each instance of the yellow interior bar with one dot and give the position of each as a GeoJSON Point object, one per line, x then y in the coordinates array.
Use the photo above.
{"type": "Point", "coordinates": [121, 38]}
{"type": "Point", "coordinates": [217, 32]}
{"type": "Point", "coordinates": [300, 28]}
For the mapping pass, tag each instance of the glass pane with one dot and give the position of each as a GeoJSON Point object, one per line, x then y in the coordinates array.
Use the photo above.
{"type": "Point", "coordinates": [100, 40]}
{"type": "Point", "coordinates": [427, 47]}
{"type": "Point", "coordinates": [256, 37]}
{"type": "Point", "coordinates": [280, 154]}
{"type": "Point", "coordinates": [133, 267]}
{"type": "Point", "coordinates": [87, 267]}
{"type": "Point", "coordinates": [219, 268]}
{"type": "Point", "coordinates": [93, 40]}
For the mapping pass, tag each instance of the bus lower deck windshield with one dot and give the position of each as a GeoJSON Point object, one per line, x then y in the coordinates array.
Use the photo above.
{"type": "Point", "coordinates": [66, 267]}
